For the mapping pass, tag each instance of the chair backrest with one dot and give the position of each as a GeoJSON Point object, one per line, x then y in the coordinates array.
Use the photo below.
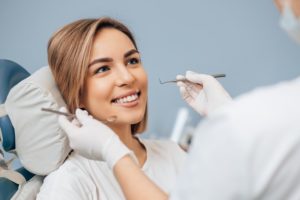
{"type": "Point", "coordinates": [10, 74]}
{"type": "Point", "coordinates": [33, 135]}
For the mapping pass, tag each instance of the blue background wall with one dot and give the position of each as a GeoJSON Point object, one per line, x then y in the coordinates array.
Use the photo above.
{"type": "Point", "coordinates": [237, 37]}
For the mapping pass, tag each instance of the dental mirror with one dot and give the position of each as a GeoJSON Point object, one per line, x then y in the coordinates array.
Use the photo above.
{"type": "Point", "coordinates": [175, 81]}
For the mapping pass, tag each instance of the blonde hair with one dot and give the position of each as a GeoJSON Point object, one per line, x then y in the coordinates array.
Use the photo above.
{"type": "Point", "coordinates": [69, 52]}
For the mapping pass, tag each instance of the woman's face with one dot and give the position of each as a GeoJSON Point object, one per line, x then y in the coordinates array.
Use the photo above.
{"type": "Point", "coordinates": [116, 83]}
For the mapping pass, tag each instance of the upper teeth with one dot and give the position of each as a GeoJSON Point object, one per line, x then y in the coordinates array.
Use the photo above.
{"type": "Point", "coordinates": [127, 99]}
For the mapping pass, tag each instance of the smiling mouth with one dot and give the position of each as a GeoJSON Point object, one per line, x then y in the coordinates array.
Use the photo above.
{"type": "Point", "coordinates": [127, 99]}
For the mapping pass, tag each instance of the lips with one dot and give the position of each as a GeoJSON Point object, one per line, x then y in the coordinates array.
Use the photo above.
{"type": "Point", "coordinates": [127, 97]}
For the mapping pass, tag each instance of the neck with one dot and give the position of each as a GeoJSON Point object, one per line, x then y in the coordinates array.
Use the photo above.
{"type": "Point", "coordinates": [125, 135]}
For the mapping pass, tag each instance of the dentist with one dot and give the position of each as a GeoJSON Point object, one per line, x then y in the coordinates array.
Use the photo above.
{"type": "Point", "coordinates": [250, 149]}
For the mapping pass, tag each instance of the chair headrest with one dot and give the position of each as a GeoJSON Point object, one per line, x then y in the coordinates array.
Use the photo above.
{"type": "Point", "coordinates": [41, 144]}
{"type": "Point", "coordinates": [10, 74]}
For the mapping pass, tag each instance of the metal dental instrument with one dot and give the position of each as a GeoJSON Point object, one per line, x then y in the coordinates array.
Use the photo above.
{"type": "Point", "coordinates": [175, 81]}
{"type": "Point", "coordinates": [72, 116]}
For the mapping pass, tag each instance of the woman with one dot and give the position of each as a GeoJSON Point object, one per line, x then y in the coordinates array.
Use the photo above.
{"type": "Point", "coordinates": [97, 67]}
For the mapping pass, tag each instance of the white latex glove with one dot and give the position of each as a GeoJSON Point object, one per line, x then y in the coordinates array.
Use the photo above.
{"type": "Point", "coordinates": [202, 92]}
{"type": "Point", "coordinates": [93, 139]}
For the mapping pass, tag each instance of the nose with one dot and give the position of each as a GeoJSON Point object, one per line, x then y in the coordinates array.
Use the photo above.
{"type": "Point", "coordinates": [123, 76]}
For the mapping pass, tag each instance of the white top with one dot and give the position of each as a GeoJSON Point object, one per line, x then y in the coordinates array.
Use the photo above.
{"type": "Point", "coordinates": [79, 178]}
{"type": "Point", "coordinates": [248, 150]}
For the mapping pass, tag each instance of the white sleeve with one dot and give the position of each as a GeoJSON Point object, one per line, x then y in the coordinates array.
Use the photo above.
{"type": "Point", "coordinates": [231, 159]}
{"type": "Point", "coordinates": [216, 165]}
{"type": "Point", "coordinates": [250, 150]}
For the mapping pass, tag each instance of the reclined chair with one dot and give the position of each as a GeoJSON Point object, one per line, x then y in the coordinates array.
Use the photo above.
{"type": "Point", "coordinates": [31, 134]}
{"type": "Point", "coordinates": [10, 74]}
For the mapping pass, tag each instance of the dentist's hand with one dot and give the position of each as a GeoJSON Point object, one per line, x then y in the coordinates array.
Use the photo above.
{"type": "Point", "coordinates": [93, 139]}
{"type": "Point", "coordinates": [202, 92]}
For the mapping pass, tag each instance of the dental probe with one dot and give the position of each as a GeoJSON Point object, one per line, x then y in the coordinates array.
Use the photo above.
{"type": "Point", "coordinates": [72, 116]}
{"type": "Point", "coordinates": [175, 81]}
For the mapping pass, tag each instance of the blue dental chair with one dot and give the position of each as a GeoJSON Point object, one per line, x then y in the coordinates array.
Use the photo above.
{"type": "Point", "coordinates": [34, 136]}
{"type": "Point", "coordinates": [10, 74]}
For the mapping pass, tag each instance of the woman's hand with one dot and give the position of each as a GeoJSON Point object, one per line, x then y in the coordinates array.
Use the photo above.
{"type": "Point", "coordinates": [93, 139]}
{"type": "Point", "coordinates": [202, 92]}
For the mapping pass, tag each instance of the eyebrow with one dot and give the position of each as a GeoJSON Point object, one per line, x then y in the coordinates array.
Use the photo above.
{"type": "Point", "coordinates": [127, 54]}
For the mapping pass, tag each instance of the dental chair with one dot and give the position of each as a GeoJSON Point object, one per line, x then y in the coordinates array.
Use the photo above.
{"type": "Point", "coordinates": [10, 74]}
{"type": "Point", "coordinates": [31, 134]}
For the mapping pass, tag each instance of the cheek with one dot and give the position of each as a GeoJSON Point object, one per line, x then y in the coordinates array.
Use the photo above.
{"type": "Point", "coordinates": [143, 78]}
{"type": "Point", "coordinates": [145, 84]}
{"type": "Point", "coordinates": [96, 96]}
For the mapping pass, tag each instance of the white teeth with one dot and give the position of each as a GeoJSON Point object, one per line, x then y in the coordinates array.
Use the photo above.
{"type": "Point", "coordinates": [127, 99]}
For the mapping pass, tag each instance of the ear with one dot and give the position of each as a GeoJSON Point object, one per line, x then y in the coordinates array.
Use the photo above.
{"type": "Point", "coordinates": [81, 106]}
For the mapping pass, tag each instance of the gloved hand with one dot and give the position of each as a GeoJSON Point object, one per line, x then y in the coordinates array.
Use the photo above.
{"type": "Point", "coordinates": [93, 139]}
{"type": "Point", "coordinates": [202, 92]}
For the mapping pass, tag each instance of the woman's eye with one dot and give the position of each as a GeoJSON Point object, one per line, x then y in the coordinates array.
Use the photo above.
{"type": "Point", "coordinates": [102, 69]}
{"type": "Point", "coordinates": [133, 61]}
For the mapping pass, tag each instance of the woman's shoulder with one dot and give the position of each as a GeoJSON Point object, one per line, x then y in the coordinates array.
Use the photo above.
{"type": "Point", "coordinates": [163, 144]}
{"type": "Point", "coordinates": [165, 149]}
{"type": "Point", "coordinates": [69, 180]}
{"type": "Point", "coordinates": [165, 160]}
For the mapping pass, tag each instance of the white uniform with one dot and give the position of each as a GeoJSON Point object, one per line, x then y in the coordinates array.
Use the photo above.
{"type": "Point", "coordinates": [250, 149]}
{"type": "Point", "coordinates": [79, 178]}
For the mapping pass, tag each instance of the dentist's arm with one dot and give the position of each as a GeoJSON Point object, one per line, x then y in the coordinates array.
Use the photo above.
{"type": "Point", "coordinates": [202, 92]}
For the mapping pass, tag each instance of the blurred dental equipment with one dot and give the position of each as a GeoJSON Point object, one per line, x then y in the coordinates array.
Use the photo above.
{"type": "Point", "coordinates": [182, 117]}
{"type": "Point", "coordinates": [72, 116]}
{"type": "Point", "coordinates": [184, 79]}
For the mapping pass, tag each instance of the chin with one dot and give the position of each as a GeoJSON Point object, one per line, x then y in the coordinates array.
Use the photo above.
{"type": "Point", "coordinates": [136, 120]}
{"type": "Point", "coordinates": [132, 118]}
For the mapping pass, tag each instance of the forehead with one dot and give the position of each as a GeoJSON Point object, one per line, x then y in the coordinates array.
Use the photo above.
{"type": "Point", "coordinates": [109, 39]}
